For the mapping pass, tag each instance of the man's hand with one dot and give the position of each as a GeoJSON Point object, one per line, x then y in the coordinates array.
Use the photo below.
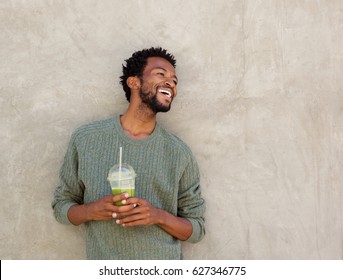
{"type": "Point", "coordinates": [102, 209]}
{"type": "Point", "coordinates": [142, 213]}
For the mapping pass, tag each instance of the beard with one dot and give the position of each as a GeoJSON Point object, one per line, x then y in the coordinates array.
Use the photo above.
{"type": "Point", "coordinates": [150, 100]}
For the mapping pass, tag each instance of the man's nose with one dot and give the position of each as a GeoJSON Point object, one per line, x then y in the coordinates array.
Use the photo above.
{"type": "Point", "coordinates": [170, 82]}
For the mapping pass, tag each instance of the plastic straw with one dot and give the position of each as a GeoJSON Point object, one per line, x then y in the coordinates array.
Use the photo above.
{"type": "Point", "coordinates": [120, 157]}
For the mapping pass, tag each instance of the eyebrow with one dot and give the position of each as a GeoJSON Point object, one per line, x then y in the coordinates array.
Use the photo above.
{"type": "Point", "coordinates": [165, 70]}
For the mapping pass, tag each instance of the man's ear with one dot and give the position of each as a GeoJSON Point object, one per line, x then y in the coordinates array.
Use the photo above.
{"type": "Point", "coordinates": [133, 82]}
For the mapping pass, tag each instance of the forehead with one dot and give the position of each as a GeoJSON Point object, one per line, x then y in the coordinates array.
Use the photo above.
{"type": "Point", "coordinates": [159, 62]}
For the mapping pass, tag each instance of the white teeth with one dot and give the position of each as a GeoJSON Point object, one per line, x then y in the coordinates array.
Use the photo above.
{"type": "Point", "coordinates": [166, 92]}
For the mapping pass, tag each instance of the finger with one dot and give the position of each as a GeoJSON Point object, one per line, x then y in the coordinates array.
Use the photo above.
{"type": "Point", "coordinates": [119, 197]}
{"type": "Point", "coordinates": [125, 202]}
{"type": "Point", "coordinates": [135, 200]}
{"type": "Point", "coordinates": [134, 223]}
{"type": "Point", "coordinates": [130, 212]}
{"type": "Point", "coordinates": [107, 198]}
{"type": "Point", "coordinates": [132, 220]}
{"type": "Point", "coordinates": [125, 208]}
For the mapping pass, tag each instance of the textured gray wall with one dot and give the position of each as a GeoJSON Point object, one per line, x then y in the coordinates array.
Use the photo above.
{"type": "Point", "coordinates": [260, 103]}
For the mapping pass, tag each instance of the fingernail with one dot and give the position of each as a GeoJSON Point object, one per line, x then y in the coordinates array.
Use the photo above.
{"type": "Point", "coordinates": [126, 195]}
{"type": "Point", "coordinates": [118, 222]}
{"type": "Point", "coordinates": [114, 215]}
{"type": "Point", "coordinates": [123, 201]}
{"type": "Point", "coordinates": [134, 205]}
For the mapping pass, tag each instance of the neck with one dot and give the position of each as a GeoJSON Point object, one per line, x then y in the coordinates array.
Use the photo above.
{"type": "Point", "coordinates": [138, 123]}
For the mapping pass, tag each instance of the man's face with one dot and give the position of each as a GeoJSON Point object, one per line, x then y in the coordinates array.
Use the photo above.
{"type": "Point", "coordinates": [158, 84]}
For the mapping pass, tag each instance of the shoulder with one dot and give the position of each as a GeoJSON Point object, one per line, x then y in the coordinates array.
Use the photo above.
{"type": "Point", "coordinates": [176, 143]}
{"type": "Point", "coordinates": [94, 128]}
{"type": "Point", "coordinates": [182, 155]}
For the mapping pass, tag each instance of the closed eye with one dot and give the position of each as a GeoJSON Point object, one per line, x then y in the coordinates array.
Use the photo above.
{"type": "Point", "coordinates": [161, 72]}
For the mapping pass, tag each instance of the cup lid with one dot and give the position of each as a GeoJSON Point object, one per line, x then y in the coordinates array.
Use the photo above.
{"type": "Point", "coordinates": [124, 173]}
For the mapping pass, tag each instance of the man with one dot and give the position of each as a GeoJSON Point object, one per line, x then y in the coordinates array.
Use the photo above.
{"type": "Point", "coordinates": [168, 206]}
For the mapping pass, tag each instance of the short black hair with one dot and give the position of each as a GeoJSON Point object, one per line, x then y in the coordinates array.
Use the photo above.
{"type": "Point", "coordinates": [136, 63]}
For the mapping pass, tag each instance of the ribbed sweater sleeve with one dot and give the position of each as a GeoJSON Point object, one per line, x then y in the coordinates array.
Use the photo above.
{"type": "Point", "coordinates": [190, 203]}
{"type": "Point", "coordinates": [70, 191]}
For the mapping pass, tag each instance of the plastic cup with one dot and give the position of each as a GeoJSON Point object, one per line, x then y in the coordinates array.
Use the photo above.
{"type": "Point", "coordinates": [122, 179]}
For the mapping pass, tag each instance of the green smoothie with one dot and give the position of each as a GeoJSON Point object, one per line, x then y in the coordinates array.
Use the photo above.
{"type": "Point", "coordinates": [130, 191]}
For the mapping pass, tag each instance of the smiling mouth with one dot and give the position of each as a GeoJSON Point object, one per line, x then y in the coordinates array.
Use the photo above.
{"type": "Point", "coordinates": [166, 92]}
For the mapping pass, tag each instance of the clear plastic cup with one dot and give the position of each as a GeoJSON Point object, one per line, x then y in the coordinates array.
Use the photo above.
{"type": "Point", "coordinates": [122, 179]}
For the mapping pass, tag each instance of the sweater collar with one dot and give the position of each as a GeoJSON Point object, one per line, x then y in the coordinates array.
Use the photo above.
{"type": "Point", "coordinates": [118, 128]}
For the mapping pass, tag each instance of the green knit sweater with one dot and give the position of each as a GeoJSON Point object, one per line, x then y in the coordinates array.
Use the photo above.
{"type": "Point", "coordinates": [167, 176]}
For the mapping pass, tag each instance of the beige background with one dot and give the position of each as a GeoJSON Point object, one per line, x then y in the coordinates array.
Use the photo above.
{"type": "Point", "coordinates": [260, 103]}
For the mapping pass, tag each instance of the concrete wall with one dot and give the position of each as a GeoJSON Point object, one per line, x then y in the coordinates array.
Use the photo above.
{"type": "Point", "coordinates": [260, 102]}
